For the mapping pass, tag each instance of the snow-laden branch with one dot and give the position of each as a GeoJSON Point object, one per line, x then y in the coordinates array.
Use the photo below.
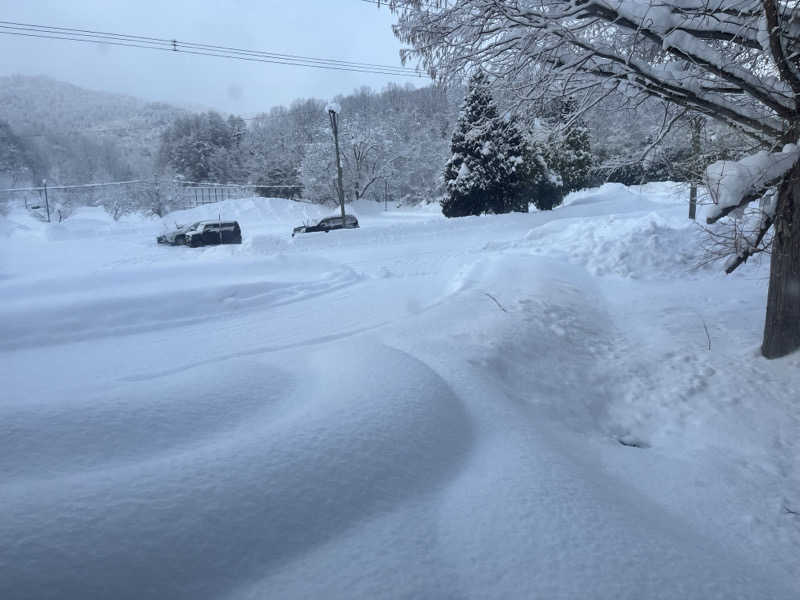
{"type": "Point", "coordinates": [659, 25]}
{"type": "Point", "coordinates": [734, 184]}
{"type": "Point", "coordinates": [709, 55]}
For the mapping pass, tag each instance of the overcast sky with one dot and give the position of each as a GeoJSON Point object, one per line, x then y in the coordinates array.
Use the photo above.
{"type": "Point", "coordinates": [341, 29]}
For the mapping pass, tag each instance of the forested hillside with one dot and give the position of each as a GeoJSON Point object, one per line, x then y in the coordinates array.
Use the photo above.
{"type": "Point", "coordinates": [73, 135]}
{"type": "Point", "coordinates": [395, 143]}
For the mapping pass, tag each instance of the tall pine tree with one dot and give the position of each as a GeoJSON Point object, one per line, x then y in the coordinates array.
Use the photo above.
{"type": "Point", "coordinates": [485, 167]}
{"type": "Point", "coordinates": [568, 150]}
{"type": "Point", "coordinates": [473, 168]}
{"type": "Point", "coordinates": [519, 168]}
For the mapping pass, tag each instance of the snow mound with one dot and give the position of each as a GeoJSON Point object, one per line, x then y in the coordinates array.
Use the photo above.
{"type": "Point", "coordinates": [20, 223]}
{"type": "Point", "coordinates": [290, 467]}
{"type": "Point", "coordinates": [642, 247]}
{"type": "Point", "coordinates": [86, 221]}
{"type": "Point", "coordinates": [276, 212]}
{"type": "Point", "coordinates": [605, 193]}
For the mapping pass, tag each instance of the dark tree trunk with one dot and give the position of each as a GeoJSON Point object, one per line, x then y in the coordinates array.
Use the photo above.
{"type": "Point", "coordinates": [697, 126]}
{"type": "Point", "coordinates": [782, 325]}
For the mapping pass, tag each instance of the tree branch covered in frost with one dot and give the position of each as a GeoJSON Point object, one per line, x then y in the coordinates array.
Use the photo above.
{"type": "Point", "coordinates": [746, 236]}
{"type": "Point", "coordinates": [683, 51]}
{"type": "Point", "coordinates": [734, 184]}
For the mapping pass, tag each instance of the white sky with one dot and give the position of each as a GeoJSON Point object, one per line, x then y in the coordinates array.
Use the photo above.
{"type": "Point", "coordinates": [339, 29]}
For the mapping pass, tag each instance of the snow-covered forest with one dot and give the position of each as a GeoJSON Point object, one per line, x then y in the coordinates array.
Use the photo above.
{"type": "Point", "coordinates": [395, 142]}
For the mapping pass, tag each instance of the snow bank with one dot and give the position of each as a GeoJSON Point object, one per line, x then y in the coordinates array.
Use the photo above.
{"type": "Point", "coordinates": [650, 246]}
{"type": "Point", "coordinates": [250, 212]}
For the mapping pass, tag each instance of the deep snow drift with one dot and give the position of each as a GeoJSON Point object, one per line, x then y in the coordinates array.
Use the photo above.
{"type": "Point", "coordinates": [515, 406]}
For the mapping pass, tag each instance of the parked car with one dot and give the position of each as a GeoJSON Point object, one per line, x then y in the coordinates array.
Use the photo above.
{"type": "Point", "coordinates": [177, 236]}
{"type": "Point", "coordinates": [327, 224]}
{"type": "Point", "coordinates": [210, 233]}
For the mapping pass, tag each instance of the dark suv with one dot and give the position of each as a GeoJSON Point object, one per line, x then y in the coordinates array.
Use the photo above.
{"type": "Point", "coordinates": [327, 224]}
{"type": "Point", "coordinates": [210, 233]}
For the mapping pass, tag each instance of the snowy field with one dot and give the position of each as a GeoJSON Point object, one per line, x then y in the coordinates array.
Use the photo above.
{"type": "Point", "coordinates": [515, 406]}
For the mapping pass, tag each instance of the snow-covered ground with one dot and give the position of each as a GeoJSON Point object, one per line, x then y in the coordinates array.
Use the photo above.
{"type": "Point", "coordinates": [515, 406]}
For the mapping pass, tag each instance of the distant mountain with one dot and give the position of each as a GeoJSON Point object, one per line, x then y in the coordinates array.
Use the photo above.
{"type": "Point", "coordinates": [81, 135]}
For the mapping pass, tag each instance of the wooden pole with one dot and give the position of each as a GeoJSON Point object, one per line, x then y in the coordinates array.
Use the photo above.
{"type": "Point", "coordinates": [339, 185]}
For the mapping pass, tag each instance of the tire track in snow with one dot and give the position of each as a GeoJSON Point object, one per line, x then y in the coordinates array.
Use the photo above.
{"type": "Point", "coordinates": [459, 283]}
{"type": "Point", "coordinates": [89, 317]}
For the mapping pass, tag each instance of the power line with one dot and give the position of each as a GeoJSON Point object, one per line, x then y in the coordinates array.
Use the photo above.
{"type": "Point", "coordinates": [200, 49]}
{"type": "Point", "coordinates": [171, 43]}
{"type": "Point", "coordinates": [175, 45]}
{"type": "Point", "coordinates": [296, 63]}
{"type": "Point", "coordinates": [433, 4]}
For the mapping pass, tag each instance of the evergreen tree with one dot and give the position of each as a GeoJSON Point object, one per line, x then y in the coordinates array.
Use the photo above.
{"type": "Point", "coordinates": [520, 168]}
{"type": "Point", "coordinates": [543, 185]}
{"type": "Point", "coordinates": [568, 150]}
{"type": "Point", "coordinates": [474, 173]}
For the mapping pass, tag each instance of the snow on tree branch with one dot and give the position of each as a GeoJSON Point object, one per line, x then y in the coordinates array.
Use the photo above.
{"type": "Point", "coordinates": [708, 56]}
{"type": "Point", "coordinates": [733, 184]}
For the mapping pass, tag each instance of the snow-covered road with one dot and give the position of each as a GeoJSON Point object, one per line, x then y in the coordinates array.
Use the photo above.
{"type": "Point", "coordinates": [421, 408]}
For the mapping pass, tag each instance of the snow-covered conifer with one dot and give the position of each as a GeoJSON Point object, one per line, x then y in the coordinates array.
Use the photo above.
{"type": "Point", "coordinates": [482, 174]}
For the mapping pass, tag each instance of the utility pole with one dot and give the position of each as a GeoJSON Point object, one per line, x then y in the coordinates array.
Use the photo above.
{"type": "Point", "coordinates": [386, 195]}
{"type": "Point", "coordinates": [46, 203]}
{"type": "Point", "coordinates": [333, 109]}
